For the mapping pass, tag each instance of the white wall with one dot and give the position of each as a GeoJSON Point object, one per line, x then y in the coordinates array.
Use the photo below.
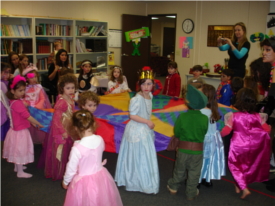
{"type": "Point", "coordinates": [203, 13]}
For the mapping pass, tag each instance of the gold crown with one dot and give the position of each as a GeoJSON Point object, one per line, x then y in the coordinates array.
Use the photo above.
{"type": "Point", "coordinates": [146, 74]}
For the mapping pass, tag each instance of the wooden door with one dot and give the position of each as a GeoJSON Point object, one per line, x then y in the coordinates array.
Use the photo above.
{"type": "Point", "coordinates": [132, 64]}
{"type": "Point", "coordinates": [168, 41]}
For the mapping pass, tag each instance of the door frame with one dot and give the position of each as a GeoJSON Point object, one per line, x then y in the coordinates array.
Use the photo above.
{"type": "Point", "coordinates": [163, 15]}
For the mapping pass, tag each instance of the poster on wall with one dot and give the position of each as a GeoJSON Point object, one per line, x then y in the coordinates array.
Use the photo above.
{"type": "Point", "coordinates": [270, 24]}
{"type": "Point", "coordinates": [186, 43]}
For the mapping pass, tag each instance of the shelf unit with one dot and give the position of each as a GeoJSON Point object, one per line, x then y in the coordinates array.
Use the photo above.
{"type": "Point", "coordinates": [70, 28]}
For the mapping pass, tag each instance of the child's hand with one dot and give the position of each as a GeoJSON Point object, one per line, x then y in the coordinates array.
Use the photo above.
{"type": "Point", "coordinates": [150, 124]}
{"type": "Point", "coordinates": [64, 186]}
{"type": "Point", "coordinates": [129, 90]}
{"type": "Point", "coordinates": [38, 126]}
{"type": "Point", "coordinates": [65, 135]}
{"type": "Point", "coordinates": [26, 103]}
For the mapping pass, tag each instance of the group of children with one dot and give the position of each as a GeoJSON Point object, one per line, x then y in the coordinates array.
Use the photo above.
{"type": "Point", "coordinates": [75, 138]}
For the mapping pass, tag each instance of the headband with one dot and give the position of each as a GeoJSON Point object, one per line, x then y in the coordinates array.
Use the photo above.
{"type": "Point", "coordinates": [30, 75]}
{"type": "Point", "coordinates": [86, 62]}
{"type": "Point", "coordinates": [17, 79]}
{"type": "Point", "coordinates": [29, 69]}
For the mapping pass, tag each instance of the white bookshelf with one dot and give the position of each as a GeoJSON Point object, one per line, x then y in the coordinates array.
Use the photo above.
{"type": "Point", "coordinates": [51, 26]}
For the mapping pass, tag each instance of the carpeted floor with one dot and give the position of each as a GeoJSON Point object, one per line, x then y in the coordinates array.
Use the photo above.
{"type": "Point", "coordinates": [44, 192]}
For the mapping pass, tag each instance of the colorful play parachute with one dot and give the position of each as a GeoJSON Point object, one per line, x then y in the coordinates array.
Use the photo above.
{"type": "Point", "coordinates": [112, 115]}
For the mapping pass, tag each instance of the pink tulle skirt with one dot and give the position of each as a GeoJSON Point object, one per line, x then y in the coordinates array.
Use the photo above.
{"type": "Point", "coordinates": [97, 189]}
{"type": "Point", "coordinates": [18, 147]}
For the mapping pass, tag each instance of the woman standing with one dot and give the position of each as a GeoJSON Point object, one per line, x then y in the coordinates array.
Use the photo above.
{"type": "Point", "coordinates": [238, 48]}
{"type": "Point", "coordinates": [62, 61]}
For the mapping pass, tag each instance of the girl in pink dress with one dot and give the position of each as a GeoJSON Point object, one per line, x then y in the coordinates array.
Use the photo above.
{"type": "Point", "coordinates": [249, 152]}
{"type": "Point", "coordinates": [58, 144]}
{"type": "Point", "coordinates": [88, 182]}
{"type": "Point", "coordinates": [35, 96]}
{"type": "Point", "coordinates": [18, 146]}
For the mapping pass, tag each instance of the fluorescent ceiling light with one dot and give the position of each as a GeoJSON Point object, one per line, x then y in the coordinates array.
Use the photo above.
{"type": "Point", "coordinates": [171, 16]}
{"type": "Point", "coordinates": [154, 18]}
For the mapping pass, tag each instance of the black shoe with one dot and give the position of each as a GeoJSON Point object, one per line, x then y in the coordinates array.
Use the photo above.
{"type": "Point", "coordinates": [270, 188]}
{"type": "Point", "coordinates": [199, 185]}
{"type": "Point", "coordinates": [208, 184]}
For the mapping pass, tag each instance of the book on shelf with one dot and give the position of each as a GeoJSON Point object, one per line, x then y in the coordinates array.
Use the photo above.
{"type": "Point", "coordinates": [22, 46]}
{"type": "Point", "coordinates": [53, 29]}
{"type": "Point", "coordinates": [15, 30]}
{"type": "Point", "coordinates": [42, 64]}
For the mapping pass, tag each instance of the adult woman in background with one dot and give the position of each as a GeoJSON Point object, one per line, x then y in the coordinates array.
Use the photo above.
{"type": "Point", "coordinates": [61, 62]}
{"type": "Point", "coordinates": [238, 48]}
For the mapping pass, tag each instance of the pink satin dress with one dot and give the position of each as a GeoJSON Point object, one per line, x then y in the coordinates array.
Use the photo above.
{"type": "Point", "coordinates": [249, 153]}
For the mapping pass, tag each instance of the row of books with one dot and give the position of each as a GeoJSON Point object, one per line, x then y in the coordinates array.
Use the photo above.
{"type": "Point", "coordinates": [53, 30]}
{"type": "Point", "coordinates": [43, 64]}
{"type": "Point", "coordinates": [20, 47]}
{"type": "Point", "coordinates": [90, 31]}
{"type": "Point", "coordinates": [80, 47]}
{"type": "Point", "coordinates": [15, 30]}
{"type": "Point", "coordinates": [44, 46]}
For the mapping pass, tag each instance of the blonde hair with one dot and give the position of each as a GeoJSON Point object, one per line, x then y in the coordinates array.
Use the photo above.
{"type": "Point", "coordinates": [244, 39]}
{"type": "Point", "coordinates": [87, 96]}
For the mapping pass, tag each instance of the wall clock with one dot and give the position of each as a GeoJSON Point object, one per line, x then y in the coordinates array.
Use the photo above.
{"type": "Point", "coordinates": [187, 26]}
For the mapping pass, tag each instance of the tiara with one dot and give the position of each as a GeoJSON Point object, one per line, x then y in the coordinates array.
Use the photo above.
{"type": "Point", "coordinates": [146, 73]}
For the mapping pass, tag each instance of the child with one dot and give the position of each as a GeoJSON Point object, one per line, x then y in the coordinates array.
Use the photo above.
{"type": "Point", "coordinates": [157, 84]}
{"type": "Point", "coordinates": [59, 144]}
{"type": "Point", "coordinates": [261, 72]}
{"type": "Point", "coordinates": [249, 153]}
{"type": "Point", "coordinates": [172, 85]}
{"type": "Point", "coordinates": [249, 82]}
{"type": "Point", "coordinates": [5, 122]}
{"type": "Point", "coordinates": [89, 181]}
{"type": "Point", "coordinates": [236, 85]}
{"type": "Point", "coordinates": [85, 77]}
{"type": "Point", "coordinates": [224, 91]}
{"type": "Point", "coordinates": [190, 153]}
{"type": "Point", "coordinates": [18, 146]}
{"type": "Point", "coordinates": [213, 166]}
{"type": "Point", "coordinates": [13, 60]}
{"type": "Point", "coordinates": [118, 82]}
{"type": "Point", "coordinates": [23, 63]}
{"type": "Point", "coordinates": [35, 95]}
{"type": "Point", "coordinates": [89, 100]}
{"type": "Point", "coordinates": [57, 46]}
{"type": "Point", "coordinates": [137, 165]}
{"type": "Point", "coordinates": [197, 71]}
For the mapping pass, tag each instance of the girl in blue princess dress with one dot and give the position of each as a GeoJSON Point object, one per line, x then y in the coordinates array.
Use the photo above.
{"type": "Point", "coordinates": [213, 166]}
{"type": "Point", "coordinates": [137, 166]}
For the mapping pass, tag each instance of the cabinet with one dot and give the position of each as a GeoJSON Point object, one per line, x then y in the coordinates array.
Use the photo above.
{"type": "Point", "coordinates": [43, 32]}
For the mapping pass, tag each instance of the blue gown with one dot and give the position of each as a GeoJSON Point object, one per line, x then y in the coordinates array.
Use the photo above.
{"type": "Point", "coordinates": [213, 166]}
{"type": "Point", "coordinates": [137, 165]}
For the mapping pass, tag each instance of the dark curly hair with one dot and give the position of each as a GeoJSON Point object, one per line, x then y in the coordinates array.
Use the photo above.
{"type": "Point", "coordinates": [246, 100]}
{"type": "Point", "coordinates": [65, 79]}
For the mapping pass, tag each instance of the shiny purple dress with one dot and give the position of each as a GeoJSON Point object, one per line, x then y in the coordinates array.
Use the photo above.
{"type": "Point", "coordinates": [249, 153]}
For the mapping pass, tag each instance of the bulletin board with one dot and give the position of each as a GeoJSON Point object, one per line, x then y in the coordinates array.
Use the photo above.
{"type": "Point", "coordinates": [115, 37]}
